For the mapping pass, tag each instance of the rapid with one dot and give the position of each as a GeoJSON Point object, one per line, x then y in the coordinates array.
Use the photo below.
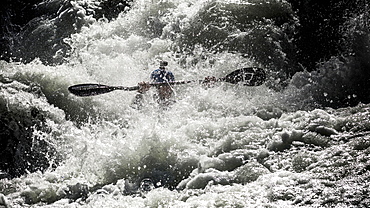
{"type": "Point", "coordinates": [302, 139]}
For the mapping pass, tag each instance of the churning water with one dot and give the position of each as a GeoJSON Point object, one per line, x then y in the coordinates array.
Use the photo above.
{"type": "Point", "coordinates": [282, 144]}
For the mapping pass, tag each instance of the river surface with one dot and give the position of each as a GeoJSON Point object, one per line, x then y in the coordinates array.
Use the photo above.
{"type": "Point", "coordinates": [302, 139]}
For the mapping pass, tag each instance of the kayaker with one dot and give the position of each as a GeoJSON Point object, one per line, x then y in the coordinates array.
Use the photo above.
{"type": "Point", "coordinates": [164, 92]}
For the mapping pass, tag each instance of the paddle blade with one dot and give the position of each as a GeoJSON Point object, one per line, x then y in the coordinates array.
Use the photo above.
{"type": "Point", "coordinates": [251, 76]}
{"type": "Point", "coordinates": [84, 90]}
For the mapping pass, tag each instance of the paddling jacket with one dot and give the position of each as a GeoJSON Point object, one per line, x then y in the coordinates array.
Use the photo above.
{"type": "Point", "coordinates": [161, 75]}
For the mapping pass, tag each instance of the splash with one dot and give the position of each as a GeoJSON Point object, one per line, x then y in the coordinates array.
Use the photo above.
{"type": "Point", "coordinates": [227, 145]}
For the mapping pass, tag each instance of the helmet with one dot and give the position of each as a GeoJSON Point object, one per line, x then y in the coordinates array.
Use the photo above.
{"type": "Point", "coordinates": [163, 63]}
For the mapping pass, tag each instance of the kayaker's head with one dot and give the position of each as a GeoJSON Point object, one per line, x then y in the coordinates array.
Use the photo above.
{"type": "Point", "coordinates": [163, 64]}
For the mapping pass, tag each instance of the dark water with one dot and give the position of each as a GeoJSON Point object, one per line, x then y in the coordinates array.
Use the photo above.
{"type": "Point", "coordinates": [301, 139]}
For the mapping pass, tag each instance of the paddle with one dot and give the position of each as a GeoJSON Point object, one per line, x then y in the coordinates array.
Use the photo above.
{"type": "Point", "coordinates": [250, 76]}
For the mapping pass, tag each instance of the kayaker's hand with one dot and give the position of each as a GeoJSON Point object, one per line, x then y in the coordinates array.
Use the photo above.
{"type": "Point", "coordinates": [209, 81]}
{"type": "Point", "coordinates": [143, 87]}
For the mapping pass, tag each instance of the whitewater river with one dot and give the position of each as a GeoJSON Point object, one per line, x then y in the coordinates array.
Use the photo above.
{"type": "Point", "coordinates": [296, 141]}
